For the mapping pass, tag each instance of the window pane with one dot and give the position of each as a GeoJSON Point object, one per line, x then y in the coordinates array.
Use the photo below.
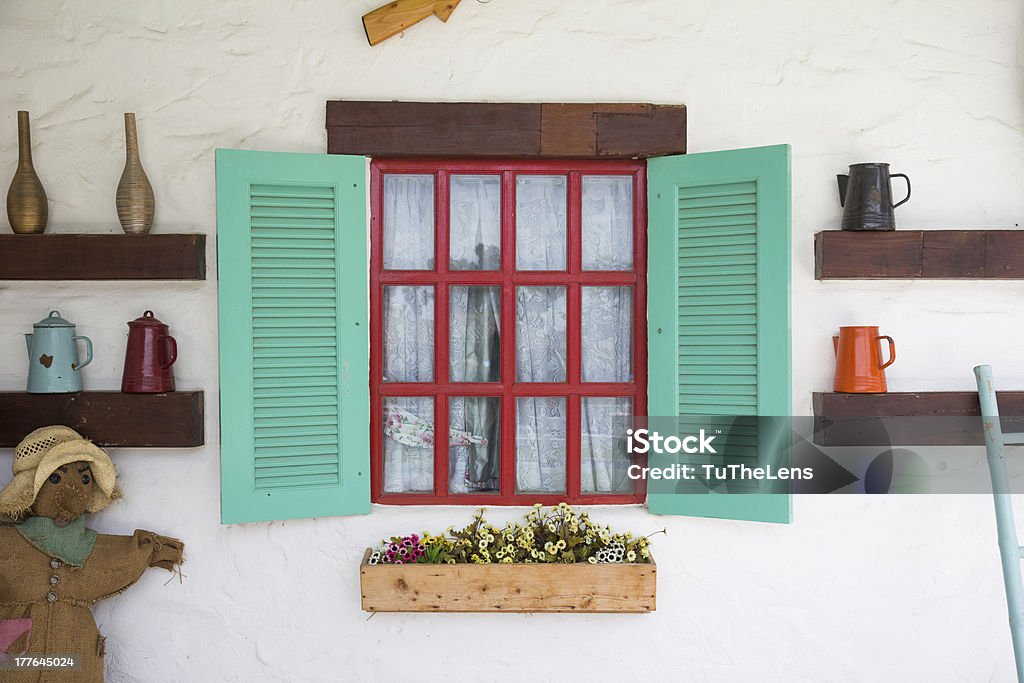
{"type": "Point", "coordinates": [540, 445]}
{"type": "Point", "coordinates": [408, 222]}
{"type": "Point", "coordinates": [540, 334]}
{"type": "Point", "coordinates": [607, 336]}
{"type": "Point", "coordinates": [408, 334]}
{"type": "Point", "coordinates": [408, 444]}
{"type": "Point", "coordinates": [607, 222]}
{"type": "Point", "coordinates": [474, 331]}
{"type": "Point", "coordinates": [540, 222]}
{"type": "Point", "coordinates": [475, 222]}
{"type": "Point", "coordinates": [474, 457]}
{"type": "Point", "coordinates": [603, 457]}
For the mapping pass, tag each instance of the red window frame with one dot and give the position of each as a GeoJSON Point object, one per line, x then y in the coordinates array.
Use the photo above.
{"type": "Point", "coordinates": [508, 278]}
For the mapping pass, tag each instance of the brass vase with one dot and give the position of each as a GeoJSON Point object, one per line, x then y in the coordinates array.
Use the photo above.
{"type": "Point", "coordinates": [26, 200]}
{"type": "Point", "coordinates": [135, 203]}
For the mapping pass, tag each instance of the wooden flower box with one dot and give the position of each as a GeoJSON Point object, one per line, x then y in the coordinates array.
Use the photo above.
{"type": "Point", "coordinates": [580, 587]}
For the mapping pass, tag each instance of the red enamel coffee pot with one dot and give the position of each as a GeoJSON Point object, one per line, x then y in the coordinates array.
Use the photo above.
{"type": "Point", "coordinates": [148, 359]}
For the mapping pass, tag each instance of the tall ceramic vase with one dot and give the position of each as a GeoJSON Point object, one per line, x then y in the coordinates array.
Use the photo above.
{"type": "Point", "coordinates": [26, 200]}
{"type": "Point", "coordinates": [135, 203]}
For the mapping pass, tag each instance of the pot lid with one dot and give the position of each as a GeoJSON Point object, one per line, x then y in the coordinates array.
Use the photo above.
{"type": "Point", "coordinates": [54, 320]}
{"type": "Point", "coordinates": [146, 318]}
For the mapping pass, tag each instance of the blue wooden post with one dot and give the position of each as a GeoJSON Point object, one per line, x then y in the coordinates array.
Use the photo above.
{"type": "Point", "coordinates": [1009, 549]}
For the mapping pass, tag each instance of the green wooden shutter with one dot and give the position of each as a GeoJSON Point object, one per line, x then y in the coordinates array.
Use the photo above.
{"type": "Point", "coordinates": [294, 358]}
{"type": "Point", "coordinates": [718, 308]}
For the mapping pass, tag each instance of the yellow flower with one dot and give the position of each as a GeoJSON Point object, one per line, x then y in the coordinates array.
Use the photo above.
{"type": "Point", "coordinates": [592, 560]}
{"type": "Point", "coordinates": [507, 560]}
{"type": "Point", "coordinates": [631, 556]}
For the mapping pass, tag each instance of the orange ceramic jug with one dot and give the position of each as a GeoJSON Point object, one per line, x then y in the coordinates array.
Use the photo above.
{"type": "Point", "coordinates": [859, 366]}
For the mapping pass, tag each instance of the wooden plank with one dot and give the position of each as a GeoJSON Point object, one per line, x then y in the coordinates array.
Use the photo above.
{"type": "Point", "coordinates": [1004, 254]}
{"type": "Point", "coordinates": [398, 15]}
{"type": "Point", "coordinates": [660, 132]}
{"type": "Point", "coordinates": [568, 130]}
{"type": "Point", "coordinates": [508, 587]}
{"type": "Point", "coordinates": [953, 254]}
{"type": "Point", "coordinates": [102, 257]}
{"type": "Point", "coordinates": [109, 418]}
{"type": "Point", "coordinates": [928, 418]}
{"type": "Point", "coordinates": [924, 254]}
{"type": "Point", "coordinates": [477, 129]}
{"type": "Point", "coordinates": [457, 129]}
{"type": "Point", "coordinates": [842, 254]}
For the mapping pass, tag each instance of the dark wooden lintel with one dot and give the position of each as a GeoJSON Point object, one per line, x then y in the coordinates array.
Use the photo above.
{"type": "Point", "coordinates": [481, 129]}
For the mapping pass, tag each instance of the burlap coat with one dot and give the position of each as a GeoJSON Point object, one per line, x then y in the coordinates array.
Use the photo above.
{"type": "Point", "coordinates": [57, 596]}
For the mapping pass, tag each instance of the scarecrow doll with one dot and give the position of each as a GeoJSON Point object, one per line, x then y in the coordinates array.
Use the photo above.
{"type": "Point", "coordinates": [52, 568]}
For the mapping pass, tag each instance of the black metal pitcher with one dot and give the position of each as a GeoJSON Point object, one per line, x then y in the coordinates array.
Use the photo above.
{"type": "Point", "coordinates": [866, 197]}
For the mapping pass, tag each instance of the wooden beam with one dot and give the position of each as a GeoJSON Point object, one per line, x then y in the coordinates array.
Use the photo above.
{"type": "Point", "coordinates": [477, 129]}
{"type": "Point", "coordinates": [922, 418]}
{"type": "Point", "coordinates": [919, 254]}
{"type": "Point", "coordinates": [382, 129]}
{"type": "Point", "coordinates": [398, 15]}
{"type": "Point", "coordinates": [109, 418]}
{"type": "Point", "coordinates": [102, 257]}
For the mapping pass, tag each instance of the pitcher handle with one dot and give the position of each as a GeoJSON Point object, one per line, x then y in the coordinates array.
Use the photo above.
{"type": "Point", "coordinates": [88, 351]}
{"type": "Point", "coordinates": [892, 351]}
{"type": "Point", "coordinates": [904, 176]}
{"type": "Point", "coordinates": [173, 345]}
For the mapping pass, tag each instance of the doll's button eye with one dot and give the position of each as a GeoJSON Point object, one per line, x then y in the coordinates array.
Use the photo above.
{"type": "Point", "coordinates": [86, 479]}
{"type": "Point", "coordinates": [55, 478]}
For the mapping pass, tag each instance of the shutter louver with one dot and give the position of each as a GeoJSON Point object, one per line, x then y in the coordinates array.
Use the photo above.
{"type": "Point", "coordinates": [295, 378]}
{"type": "Point", "coordinates": [717, 295]}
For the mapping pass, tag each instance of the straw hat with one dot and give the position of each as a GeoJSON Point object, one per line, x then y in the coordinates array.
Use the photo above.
{"type": "Point", "coordinates": [43, 451]}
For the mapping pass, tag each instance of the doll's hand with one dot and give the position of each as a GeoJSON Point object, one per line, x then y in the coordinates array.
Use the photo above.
{"type": "Point", "coordinates": [167, 551]}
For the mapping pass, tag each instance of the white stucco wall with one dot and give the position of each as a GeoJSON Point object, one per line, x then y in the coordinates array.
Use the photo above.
{"type": "Point", "coordinates": [856, 589]}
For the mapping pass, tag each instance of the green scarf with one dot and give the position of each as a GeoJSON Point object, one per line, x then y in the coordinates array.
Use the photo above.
{"type": "Point", "coordinates": [72, 544]}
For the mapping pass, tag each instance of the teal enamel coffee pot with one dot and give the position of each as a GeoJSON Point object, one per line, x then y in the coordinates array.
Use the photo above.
{"type": "Point", "coordinates": [53, 366]}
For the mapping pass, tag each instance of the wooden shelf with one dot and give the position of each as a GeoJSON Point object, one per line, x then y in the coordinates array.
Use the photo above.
{"type": "Point", "coordinates": [926, 418]}
{"type": "Point", "coordinates": [919, 254]}
{"type": "Point", "coordinates": [103, 257]}
{"type": "Point", "coordinates": [109, 418]}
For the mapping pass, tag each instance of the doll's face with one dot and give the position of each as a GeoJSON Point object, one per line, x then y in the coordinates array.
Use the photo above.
{"type": "Point", "coordinates": [66, 493]}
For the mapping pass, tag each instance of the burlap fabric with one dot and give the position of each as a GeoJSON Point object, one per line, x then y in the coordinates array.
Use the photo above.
{"type": "Point", "coordinates": [62, 622]}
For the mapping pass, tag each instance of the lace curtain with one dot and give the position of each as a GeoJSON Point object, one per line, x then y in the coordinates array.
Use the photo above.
{"type": "Point", "coordinates": [475, 345]}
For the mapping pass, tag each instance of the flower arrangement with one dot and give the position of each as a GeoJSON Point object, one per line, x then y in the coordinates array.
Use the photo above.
{"type": "Point", "coordinates": [556, 535]}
